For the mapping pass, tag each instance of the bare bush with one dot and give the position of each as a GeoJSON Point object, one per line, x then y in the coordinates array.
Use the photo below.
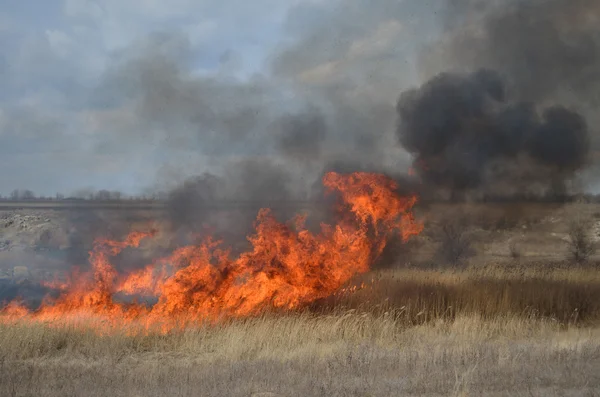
{"type": "Point", "coordinates": [581, 246]}
{"type": "Point", "coordinates": [455, 241]}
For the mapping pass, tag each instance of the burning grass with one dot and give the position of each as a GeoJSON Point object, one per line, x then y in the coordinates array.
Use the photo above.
{"type": "Point", "coordinates": [301, 313]}
{"type": "Point", "coordinates": [287, 267]}
{"type": "Point", "coordinates": [503, 338]}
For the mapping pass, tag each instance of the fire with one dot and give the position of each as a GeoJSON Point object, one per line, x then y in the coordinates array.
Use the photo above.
{"type": "Point", "coordinates": [287, 267]}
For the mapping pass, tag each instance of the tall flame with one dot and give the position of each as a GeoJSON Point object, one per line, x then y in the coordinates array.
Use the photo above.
{"type": "Point", "coordinates": [286, 267]}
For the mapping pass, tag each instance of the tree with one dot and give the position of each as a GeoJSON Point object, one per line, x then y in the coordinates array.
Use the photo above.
{"type": "Point", "coordinates": [28, 195]}
{"type": "Point", "coordinates": [20, 194]}
{"type": "Point", "coordinates": [103, 195]}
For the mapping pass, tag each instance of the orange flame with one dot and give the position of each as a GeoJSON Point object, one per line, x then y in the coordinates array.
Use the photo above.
{"type": "Point", "coordinates": [287, 267]}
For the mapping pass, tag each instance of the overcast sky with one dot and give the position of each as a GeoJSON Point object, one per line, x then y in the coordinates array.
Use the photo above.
{"type": "Point", "coordinates": [54, 55]}
{"type": "Point", "coordinates": [80, 81]}
{"type": "Point", "coordinates": [134, 95]}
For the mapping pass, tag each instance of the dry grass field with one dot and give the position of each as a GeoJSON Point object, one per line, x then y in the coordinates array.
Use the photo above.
{"type": "Point", "coordinates": [513, 315]}
{"type": "Point", "coordinates": [494, 330]}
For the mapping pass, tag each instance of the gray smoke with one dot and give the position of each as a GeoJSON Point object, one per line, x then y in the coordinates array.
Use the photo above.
{"type": "Point", "coordinates": [325, 93]}
{"type": "Point", "coordinates": [301, 135]}
{"type": "Point", "coordinates": [462, 129]}
{"type": "Point", "coordinates": [550, 49]}
{"type": "Point", "coordinates": [326, 102]}
{"type": "Point", "coordinates": [510, 102]}
{"type": "Point", "coordinates": [506, 109]}
{"type": "Point", "coordinates": [226, 205]}
{"type": "Point", "coordinates": [30, 294]}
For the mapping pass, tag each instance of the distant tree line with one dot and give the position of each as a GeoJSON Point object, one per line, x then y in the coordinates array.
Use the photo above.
{"type": "Point", "coordinates": [99, 195]}
{"type": "Point", "coordinates": [426, 197]}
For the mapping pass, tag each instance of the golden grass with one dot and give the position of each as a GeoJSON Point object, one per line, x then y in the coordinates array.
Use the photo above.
{"type": "Point", "coordinates": [485, 331]}
{"type": "Point", "coordinates": [566, 295]}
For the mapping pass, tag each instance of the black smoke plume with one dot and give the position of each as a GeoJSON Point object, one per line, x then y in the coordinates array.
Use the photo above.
{"type": "Point", "coordinates": [466, 132]}
{"type": "Point", "coordinates": [549, 48]}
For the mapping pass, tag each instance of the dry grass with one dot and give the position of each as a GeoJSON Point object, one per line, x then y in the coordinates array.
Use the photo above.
{"type": "Point", "coordinates": [566, 294]}
{"type": "Point", "coordinates": [486, 331]}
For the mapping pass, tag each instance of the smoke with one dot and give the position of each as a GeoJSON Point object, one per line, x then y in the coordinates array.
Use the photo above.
{"type": "Point", "coordinates": [507, 103]}
{"type": "Point", "coordinates": [463, 129]}
{"type": "Point", "coordinates": [302, 135]}
{"type": "Point", "coordinates": [187, 204]}
{"type": "Point", "coordinates": [550, 49]}
{"type": "Point", "coordinates": [505, 108]}
{"type": "Point", "coordinates": [261, 141]}
{"type": "Point", "coordinates": [226, 205]}
{"type": "Point", "coordinates": [30, 294]}
{"type": "Point", "coordinates": [508, 107]}
{"type": "Point", "coordinates": [323, 92]}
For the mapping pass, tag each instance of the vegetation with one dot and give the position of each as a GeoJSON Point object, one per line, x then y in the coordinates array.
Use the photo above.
{"type": "Point", "coordinates": [581, 245]}
{"type": "Point", "coordinates": [454, 239]}
{"type": "Point", "coordinates": [481, 330]}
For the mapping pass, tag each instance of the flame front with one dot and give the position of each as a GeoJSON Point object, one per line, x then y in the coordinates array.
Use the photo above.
{"type": "Point", "coordinates": [286, 267]}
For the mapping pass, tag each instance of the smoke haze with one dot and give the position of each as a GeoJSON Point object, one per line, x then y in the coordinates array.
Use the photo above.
{"type": "Point", "coordinates": [350, 83]}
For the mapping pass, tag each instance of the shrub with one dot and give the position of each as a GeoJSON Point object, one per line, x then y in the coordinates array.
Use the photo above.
{"type": "Point", "coordinates": [455, 241]}
{"type": "Point", "coordinates": [581, 246]}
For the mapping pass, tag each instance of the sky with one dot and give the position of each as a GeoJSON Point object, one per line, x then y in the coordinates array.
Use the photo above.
{"type": "Point", "coordinates": [54, 55]}
{"type": "Point", "coordinates": [64, 126]}
{"type": "Point", "coordinates": [139, 95]}
{"type": "Point", "coordinates": [75, 113]}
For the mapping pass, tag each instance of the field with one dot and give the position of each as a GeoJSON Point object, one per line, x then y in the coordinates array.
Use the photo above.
{"type": "Point", "coordinates": [510, 319]}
